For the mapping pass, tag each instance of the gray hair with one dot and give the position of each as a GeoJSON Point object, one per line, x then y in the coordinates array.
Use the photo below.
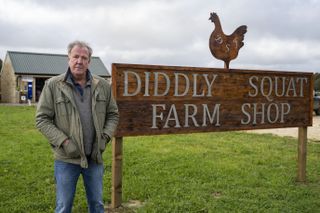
{"type": "Point", "coordinates": [80, 44]}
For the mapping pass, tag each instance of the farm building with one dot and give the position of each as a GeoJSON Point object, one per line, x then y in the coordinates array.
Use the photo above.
{"type": "Point", "coordinates": [23, 74]}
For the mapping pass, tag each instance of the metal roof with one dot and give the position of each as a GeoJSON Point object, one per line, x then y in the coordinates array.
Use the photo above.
{"type": "Point", "coordinates": [49, 64]}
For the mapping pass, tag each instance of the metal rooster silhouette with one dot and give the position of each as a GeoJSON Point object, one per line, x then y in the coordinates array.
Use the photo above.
{"type": "Point", "coordinates": [225, 47]}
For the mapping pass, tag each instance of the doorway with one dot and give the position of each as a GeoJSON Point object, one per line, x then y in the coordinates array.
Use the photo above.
{"type": "Point", "coordinates": [39, 86]}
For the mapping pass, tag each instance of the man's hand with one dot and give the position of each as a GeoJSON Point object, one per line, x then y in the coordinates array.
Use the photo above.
{"type": "Point", "coordinates": [70, 148]}
{"type": "Point", "coordinates": [65, 142]}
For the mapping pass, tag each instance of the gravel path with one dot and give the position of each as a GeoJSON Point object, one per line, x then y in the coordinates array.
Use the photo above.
{"type": "Point", "coordinates": [313, 131]}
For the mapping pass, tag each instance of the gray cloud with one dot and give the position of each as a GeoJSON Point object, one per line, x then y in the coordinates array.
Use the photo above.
{"type": "Point", "coordinates": [282, 35]}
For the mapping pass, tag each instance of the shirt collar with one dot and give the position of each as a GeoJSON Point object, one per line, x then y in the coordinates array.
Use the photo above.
{"type": "Point", "coordinates": [69, 78]}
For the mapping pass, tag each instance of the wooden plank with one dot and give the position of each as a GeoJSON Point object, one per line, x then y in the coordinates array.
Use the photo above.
{"type": "Point", "coordinates": [311, 99]}
{"type": "Point", "coordinates": [156, 99]}
{"type": "Point", "coordinates": [302, 154]}
{"type": "Point", "coordinates": [116, 194]}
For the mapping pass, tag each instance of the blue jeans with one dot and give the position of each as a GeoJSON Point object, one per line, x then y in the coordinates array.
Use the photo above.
{"type": "Point", "coordinates": [67, 174]}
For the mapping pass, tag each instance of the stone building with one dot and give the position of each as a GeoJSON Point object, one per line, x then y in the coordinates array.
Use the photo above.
{"type": "Point", "coordinates": [23, 74]}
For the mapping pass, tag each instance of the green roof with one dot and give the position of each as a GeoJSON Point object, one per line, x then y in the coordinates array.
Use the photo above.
{"type": "Point", "coordinates": [49, 64]}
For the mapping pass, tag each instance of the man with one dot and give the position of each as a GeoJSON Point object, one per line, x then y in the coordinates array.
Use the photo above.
{"type": "Point", "coordinates": [78, 115]}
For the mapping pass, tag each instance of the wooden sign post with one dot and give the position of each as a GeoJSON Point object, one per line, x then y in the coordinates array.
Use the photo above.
{"type": "Point", "coordinates": [154, 100]}
{"type": "Point", "coordinates": [116, 190]}
{"type": "Point", "coordinates": [302, 154]}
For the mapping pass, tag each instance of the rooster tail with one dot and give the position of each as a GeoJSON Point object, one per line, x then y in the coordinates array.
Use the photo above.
{"type": "Point", "coordinates": [240, 31]}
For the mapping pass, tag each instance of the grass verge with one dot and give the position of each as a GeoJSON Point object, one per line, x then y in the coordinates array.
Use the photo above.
{"type": "Point", "coordinates": [209, 172]}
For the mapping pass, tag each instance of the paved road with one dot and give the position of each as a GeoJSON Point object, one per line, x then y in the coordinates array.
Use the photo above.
{"type": "Point", "coordinates": [313, 131]}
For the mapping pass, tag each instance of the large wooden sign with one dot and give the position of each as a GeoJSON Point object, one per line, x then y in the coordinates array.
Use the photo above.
{"type": "Point", "coordinates": [169, 99]}
{"type": "Point", "coordinates": [155, 100]}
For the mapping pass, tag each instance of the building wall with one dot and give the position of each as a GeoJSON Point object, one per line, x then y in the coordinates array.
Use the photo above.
{"type": "Point", "coordinates": [8, 83]}
{"type": "Point", "coordinates": [13, 86]}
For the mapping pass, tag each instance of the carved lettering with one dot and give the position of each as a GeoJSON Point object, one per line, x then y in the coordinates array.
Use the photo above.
{"type": "Point", "coordinates": [161, 84]}
{"type": "Point", "coordinates": [271, 87]}
{"type": "Point", "coordinates": [162, 100]}
{"type": "Point", "coordinates": [261, 113]}
{"type": "Point", "coordinates": [126, 83]}
{"type": "Point", "coordinates": [219, 39]}
{"type": "Point", "coordinates": [212, 117]}
{"type": "Point", "coordinates": [164, 118]}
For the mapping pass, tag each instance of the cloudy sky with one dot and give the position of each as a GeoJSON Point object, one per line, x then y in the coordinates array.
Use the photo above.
{"type": "Point", "coordinates": [282, 34]}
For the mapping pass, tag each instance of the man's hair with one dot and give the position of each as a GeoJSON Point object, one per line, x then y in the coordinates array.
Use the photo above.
{"type": "Point", "coordinates": [80, 44]}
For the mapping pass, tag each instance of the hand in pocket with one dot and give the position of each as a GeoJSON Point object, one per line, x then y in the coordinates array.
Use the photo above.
{"type": "Point", "coordinates": [71, 149]}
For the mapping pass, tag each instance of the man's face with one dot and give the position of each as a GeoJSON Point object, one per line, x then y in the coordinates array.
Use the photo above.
{"type": "Point", "coordinates": [79, 62]}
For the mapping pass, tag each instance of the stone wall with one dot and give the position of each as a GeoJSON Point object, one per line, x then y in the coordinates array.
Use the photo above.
{"type": "Point", "coordinates": [8, 83]}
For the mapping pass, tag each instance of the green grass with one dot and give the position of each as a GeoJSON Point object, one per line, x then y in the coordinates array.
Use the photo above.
{"type": "Point", "coordinates": [210, 172]}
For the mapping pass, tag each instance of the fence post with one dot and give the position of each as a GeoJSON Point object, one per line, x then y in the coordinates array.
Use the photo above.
{"type": "Point", "coordinates": [116, 196]}
{"type": "Point", "coordinates": [302, 153]}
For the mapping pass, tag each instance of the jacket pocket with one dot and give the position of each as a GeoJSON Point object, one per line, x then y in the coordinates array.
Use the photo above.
{"type": "Point", "coordinates": [63, 114]}
{"type": "Point", "coordinates": [63, 106]}
{"type": "Point", "coordinates": [71, 149]}
{"type": "Point", "coordinates": [101, 104]}
{"type": "Point", "coordinates": [101, 109]}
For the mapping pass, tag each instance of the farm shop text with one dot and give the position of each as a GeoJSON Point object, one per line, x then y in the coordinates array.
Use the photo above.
{"type": "Point", "coordinates": [272, 90]}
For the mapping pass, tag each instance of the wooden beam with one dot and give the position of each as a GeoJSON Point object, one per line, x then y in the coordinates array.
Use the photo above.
{"type": "Point", "coordinates": [302, 154]}
{"type": "Point", "coordinates": [116, 196]}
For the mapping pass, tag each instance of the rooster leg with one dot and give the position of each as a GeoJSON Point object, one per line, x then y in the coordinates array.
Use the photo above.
{"type": "Point", "coordinates": [226, 64]}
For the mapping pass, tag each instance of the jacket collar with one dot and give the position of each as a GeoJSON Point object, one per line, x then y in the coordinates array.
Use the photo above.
{"type": "Point", "coordinates": [69, 77]}
{"type": "Point", "coordinates": [64, 78]}
{"type": "Point", "coordinates": [93, 78]}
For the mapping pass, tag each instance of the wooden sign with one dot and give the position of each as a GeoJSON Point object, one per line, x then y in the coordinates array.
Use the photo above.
{"type": "Point", "coordinates": [155, 100]}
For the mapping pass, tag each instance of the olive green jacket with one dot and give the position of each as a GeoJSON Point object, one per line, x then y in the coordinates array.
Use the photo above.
{"type": "Point", "coordinates": [58, 119]}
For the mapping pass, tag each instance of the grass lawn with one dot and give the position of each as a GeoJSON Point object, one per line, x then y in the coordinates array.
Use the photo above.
{"type": "Point", "coordinates": [209, 172]}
